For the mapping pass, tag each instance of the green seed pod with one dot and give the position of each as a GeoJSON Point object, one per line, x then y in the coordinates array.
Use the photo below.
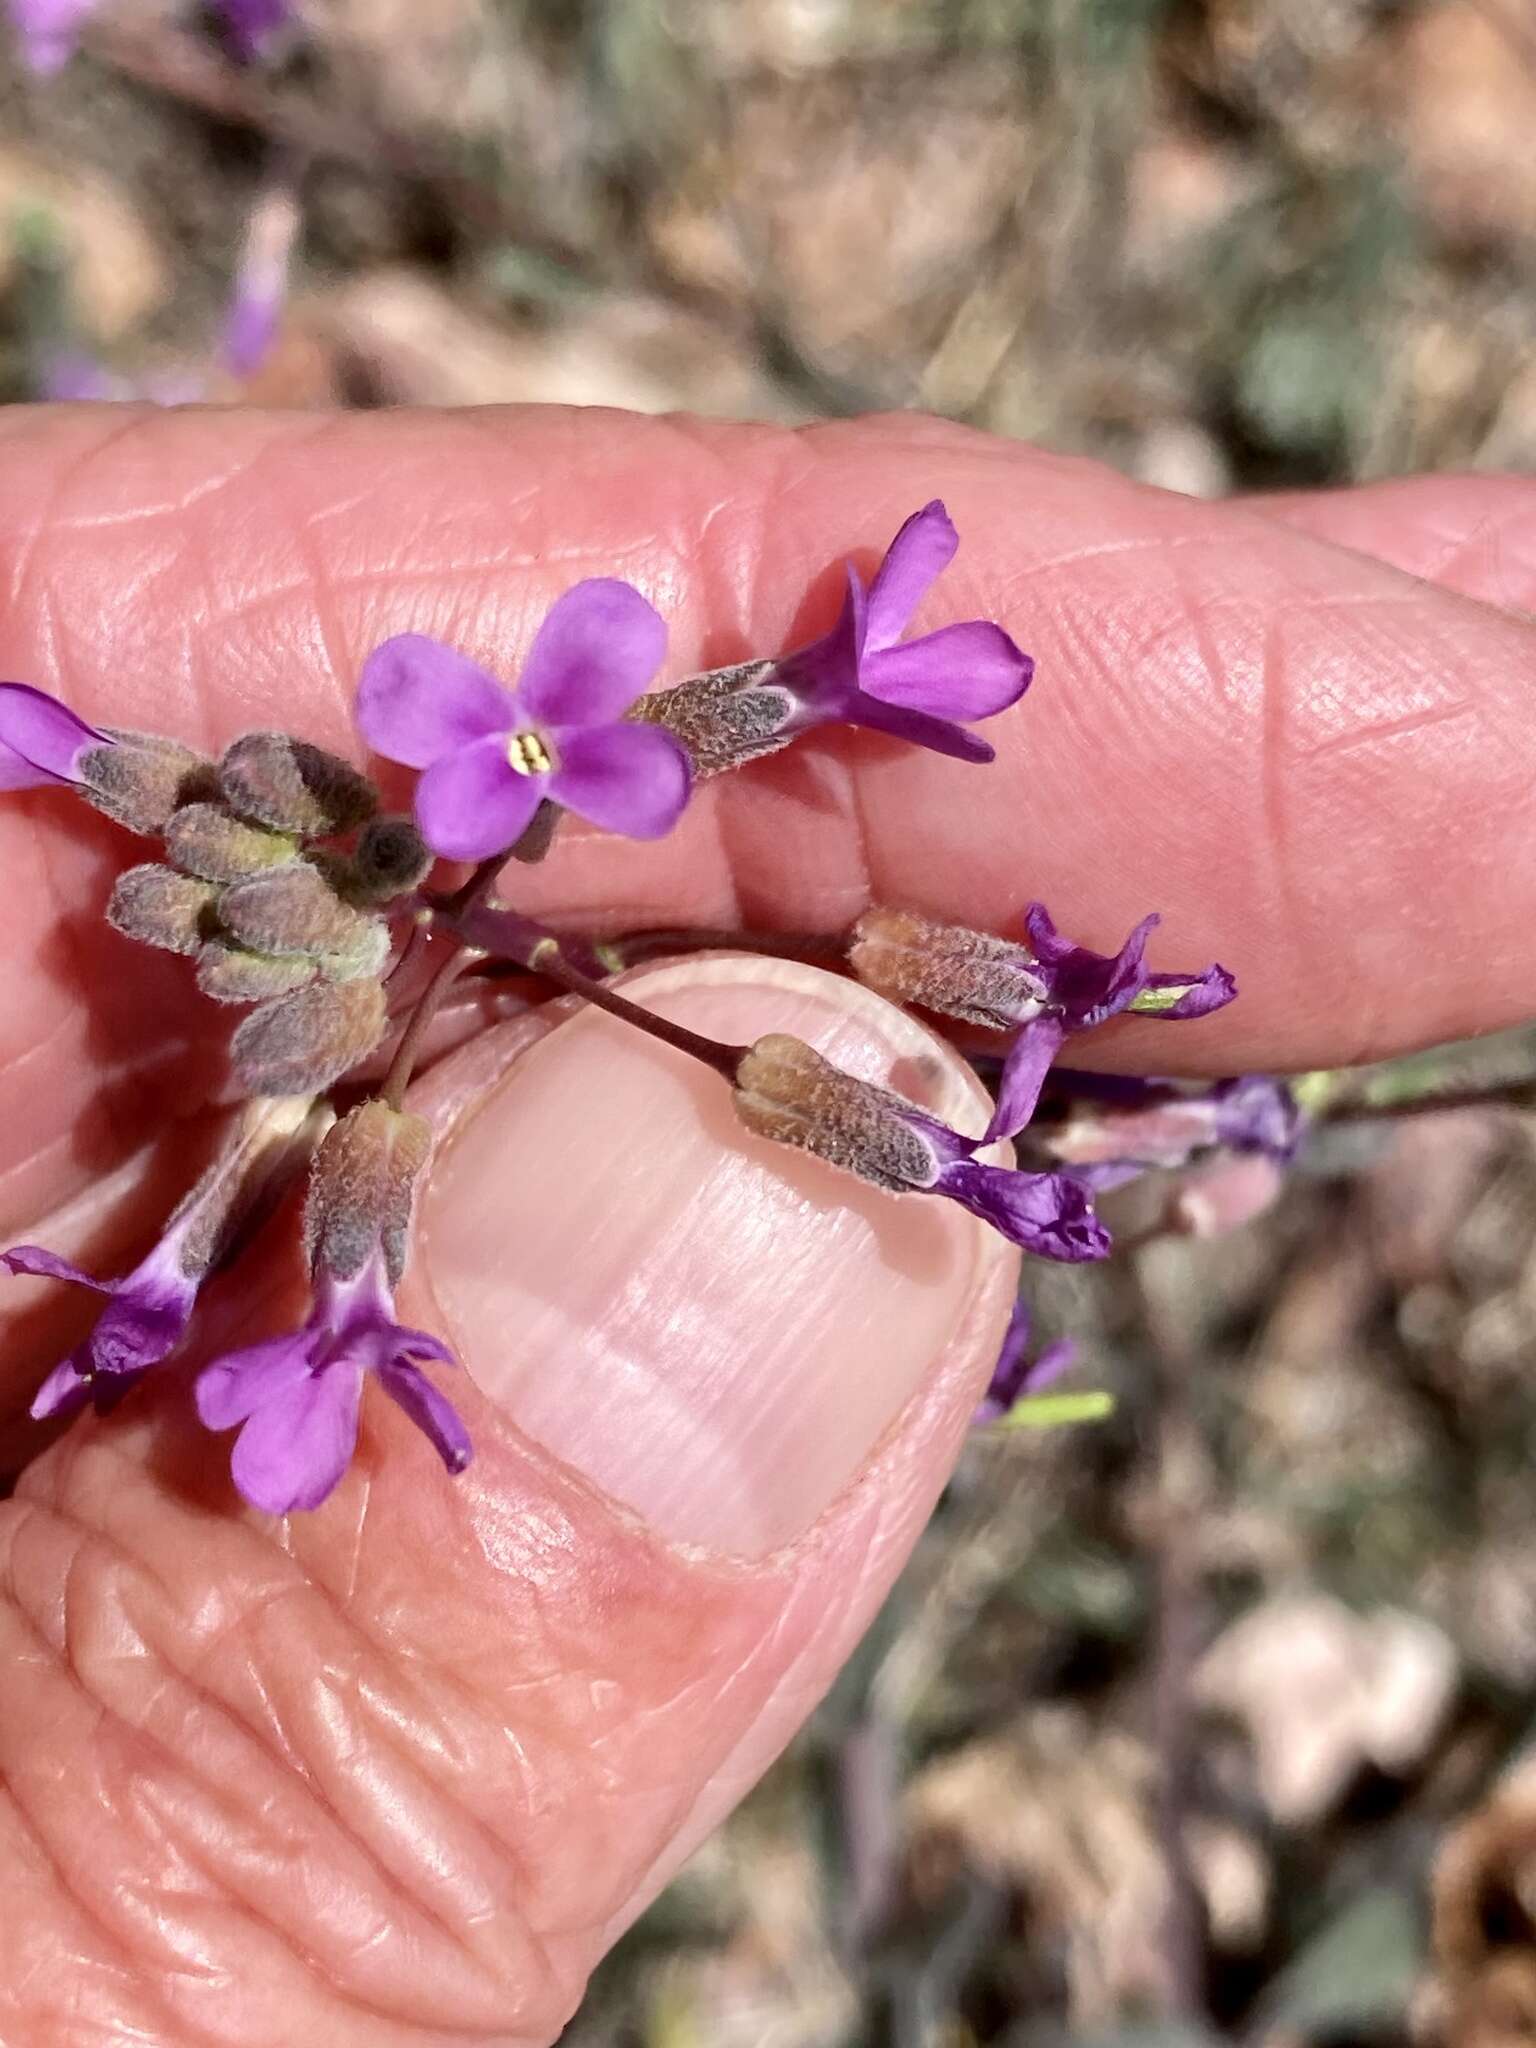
{"type": "Point", "coordinates": [207, 840]}
{"type": "Point", "coordinates": [293, 787]}
{"type": "Point", "coordinates": [301, 1043]}
{"type": "Point", "coordinates": [159, 907]}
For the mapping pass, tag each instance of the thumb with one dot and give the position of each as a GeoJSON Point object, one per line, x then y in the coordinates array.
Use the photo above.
{"type": "Point", "coordinates": [396, 1772]}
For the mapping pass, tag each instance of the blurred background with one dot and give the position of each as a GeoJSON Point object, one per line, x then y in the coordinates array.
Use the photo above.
{"type": "Point", "coordinates": [1208, 1723]}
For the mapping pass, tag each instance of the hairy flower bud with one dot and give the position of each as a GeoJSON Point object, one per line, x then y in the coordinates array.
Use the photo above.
{"type": "Point", "coordinates": [786, 1091]}
{"type": "Point", "coordinates": [946, 968]}
{"type": "Point", "coordinates": [141, 780]}
{"type": "Point", "coordinates": [361, 1190]}
{"type": "Point", "coordinates": [296, 909]}
{"type": "Point", "coordinates": [286, 783]}
{"type": "Point", "coordinates": [234, 974]}
{"type": "Point", "coordinates": [205, 839]}
{"type": "Point", "coordinates": [723, 718]}
{"type": "Point", "coordinates": [159, 907]}
{"type": "Point", "coordinates": [301, 1043]}
{"type": "Point", "coordinates": [390, 857]}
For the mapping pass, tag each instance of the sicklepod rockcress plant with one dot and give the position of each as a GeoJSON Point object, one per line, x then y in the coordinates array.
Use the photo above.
{"type": "Point", "coordinates": [297, 899]}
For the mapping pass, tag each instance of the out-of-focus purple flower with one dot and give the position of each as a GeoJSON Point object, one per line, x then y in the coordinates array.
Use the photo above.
{"type": "Point", "coordinates": [786, 1091]}
{"type": "Point", "coordinates": [295, 1398]}
{"type": "Point", "coordinates": [48, 30]}
{"type": "Point", "coordinates": [261, 280]}
{"type": "Point", "coordinates": [253, 25]}
{"type": "Point", "coordinates": [864, 673]}
{"type": "Point", "coordinates": [1079, 988]}
{"type": "Point", "coordinates": [1016, 1374]}
{"type": "Point", "coordinates": [42, 742]}
{"type": "Point", "coordinates": [492, 755]}
{"type": "Point", "coordinates": [1120, 1126]}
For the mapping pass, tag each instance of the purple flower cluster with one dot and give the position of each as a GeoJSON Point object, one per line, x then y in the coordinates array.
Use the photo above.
{"type": "Point", "coordinates": [292, 891]}
{"type": "Point", "coordinates": [49, 30]}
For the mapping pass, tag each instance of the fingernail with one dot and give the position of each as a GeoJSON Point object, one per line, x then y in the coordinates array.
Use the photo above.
{"type": "Point", "coordinates": [715, 1330]}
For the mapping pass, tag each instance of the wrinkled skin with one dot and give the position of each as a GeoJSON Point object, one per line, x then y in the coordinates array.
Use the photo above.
{"type": "Point", "coordinates": [395, 1773]}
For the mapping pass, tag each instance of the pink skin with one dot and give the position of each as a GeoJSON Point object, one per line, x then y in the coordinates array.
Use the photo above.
{"type": "Point", "coordinates": [395, 1773]}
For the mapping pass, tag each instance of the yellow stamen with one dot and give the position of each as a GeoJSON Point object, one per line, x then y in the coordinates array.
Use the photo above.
{"type": "Point", "coordinates": [528, 754]}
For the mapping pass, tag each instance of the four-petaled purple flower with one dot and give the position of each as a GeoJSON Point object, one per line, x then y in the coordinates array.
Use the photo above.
{"type": "Point", "coordinates": [491, 755]}
{"type": "Point", "coordinates": [1016, 1374]}
{"type": "Point", "coordinates": [1066, 987]}
{"type": "Point", "coordinates": [864, 673]}
{"type": "Point", "coordinates": [146, 1317]}
{"type": "Point", "coordinates": [41, 740]}
{"type": "Point", "coordinates": [296, 1397]}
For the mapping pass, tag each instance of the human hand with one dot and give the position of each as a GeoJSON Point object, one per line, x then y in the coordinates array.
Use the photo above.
{"type": "Point", "coordinates": [397, 1772]}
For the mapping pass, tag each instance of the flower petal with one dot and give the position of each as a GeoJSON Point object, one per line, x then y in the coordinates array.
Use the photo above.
{"type": "Point", "coordinates": [431, 1411]}
{"type": "Point", "coordinates": [235, 1386]}
{"type": "Point", "coordinates": [65, 1389]}
{"type": "Point", "coordinates": [918, 728]}
{"type": "Point", "coordinates": [46, 1265]}
{"type": "Point", "coordinates": [968, 671]}
{"type": "Point", "coordinates": [824, 675]}
{"type": "Point", "coordinates": [1186, 995]}
{"type": "Point", "coordinates": [135, 1331]}
{"type": "Point", "coordinates": [295, 1448]}
{"type": "Point", "coordinates": [472, 803]}
{"type": "Point", "coordinates": [632, 779]}
{"type": "Point", "coordinates": [1024, 1070]}
{"type": "Point", "coordinates": [598, 647]}
{"type": "Point", "coordinates": [48, 30]}
{"type": "Point", "coordinates": [40, 738]}
{"type": "Point", "coordinates": [1088, 986]}
{"type": "Point", "coordinates": [1048, 1214]}
{"type": "Point", "coordinates": [418, 700]}
{"type": "Point", "coordinates": [920, 553]}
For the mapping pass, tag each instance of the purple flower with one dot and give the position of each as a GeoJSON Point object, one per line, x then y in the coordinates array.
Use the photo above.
{"type": "Point", "coordinates": [864, 673]}
{"type": "Point", "coordinates": [1016, 1374]}
{"type": "Point", "coordinates": [1121, 1126]}
{"type": "Point", "coordinates": [48, 30]}
{"type": "Point", "coordinates": [145, 1319]}
{"type": "Point", "coordinates": [1073, 989]}
{"type": "Point", "coordinates": [296, 1397]}
{"type": "Point", "coordinates": [252, 25]}
{"type": "Point", "coordinates": [41, 740]}
{"type": "Point", "coordinates": [261, 280]}
{"type": "Point", "coordinates": [491, 755]}
{"type": "Point", "coordinates": [148, 1310]}
{"type": "Point", "coordinates": [786, 1091]}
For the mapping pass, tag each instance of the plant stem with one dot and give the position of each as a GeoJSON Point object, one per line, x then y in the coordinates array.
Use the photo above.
{"type": "Point", "coordinates": [723, 1059]}
{"type": "Point", "coordinates": [458, 957]}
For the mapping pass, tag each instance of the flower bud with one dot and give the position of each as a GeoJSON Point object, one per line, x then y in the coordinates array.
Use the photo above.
{"type": "Point", "coordinates": [234, 974]}
{"type": "Point", "coordinates": [276, 780]}
{"type": "Point", "coordinates": [361, 1189]}
{"type": "Point", "coordinates": [141, 780]}
{"type": "Point", "coordinates": [723, 718]}
{"type": "Point", "coordinates": [946, 968]}
{"type": "Point", "coordinates": [390, 857]}
{"type": "Point", "coordinates": [301, 1043]}
{"type": "Point", "coordinates": [159, 907]}
{"type": "Point", "coordinates": [295, 909]}
{"type": "Point", "coordinates": [786, 1091]}
{"type": "Point", "coordinates": [207, 840]}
